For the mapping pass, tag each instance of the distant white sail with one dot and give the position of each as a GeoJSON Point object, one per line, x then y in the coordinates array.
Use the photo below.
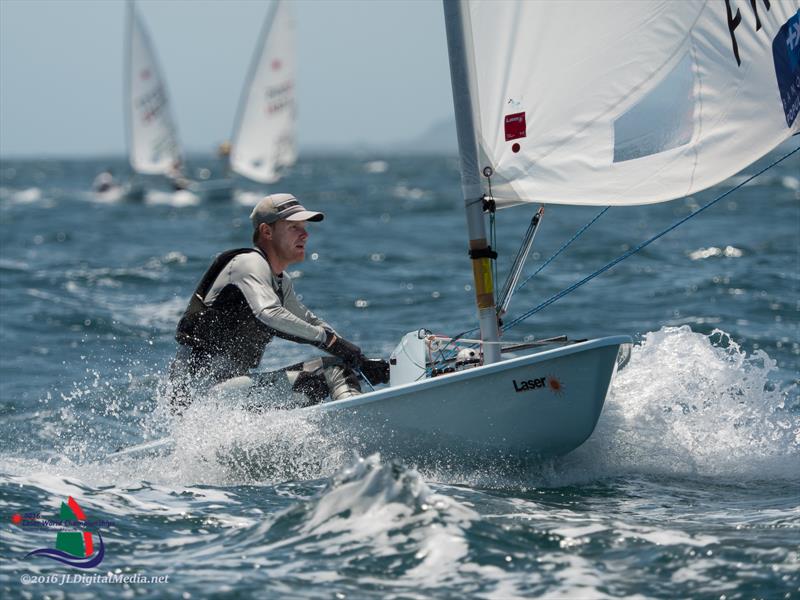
{"type": "Point", "coordinates": [626, 103]}
{"type": "Point", "coordinates": [264, 136]}
{"type": "Point", "coordinates": [152, 136]}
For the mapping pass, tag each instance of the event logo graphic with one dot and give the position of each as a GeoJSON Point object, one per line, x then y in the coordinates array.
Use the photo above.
{"type": "Point", "coordinates": [75, 545]}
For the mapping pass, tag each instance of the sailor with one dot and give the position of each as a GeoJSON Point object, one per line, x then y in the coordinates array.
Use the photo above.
{"type": "Point", "coordinates": [104, 181]}
{"type": "Point", "coordinates": [176, 178]}
{"type": "Point", "coordinates": [244, 300]}
{"type": "Point", "coordinates": [224, 149]}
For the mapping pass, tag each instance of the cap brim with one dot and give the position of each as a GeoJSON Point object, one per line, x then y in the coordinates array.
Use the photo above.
{"type": "Point", "coordinates": [305, 215]}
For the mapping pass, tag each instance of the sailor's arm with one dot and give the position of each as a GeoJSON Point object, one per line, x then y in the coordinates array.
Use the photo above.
{"type": "Point", "coordinates": [375, 370]}
{"type": "Point", "coordinates": [291, 301]}
{"type": "Point", "coordinates": [289, 326]}
{"type": "Point", "coordinates": [267, 308]}
{"type": "Point", "coordinates": [334, 343]}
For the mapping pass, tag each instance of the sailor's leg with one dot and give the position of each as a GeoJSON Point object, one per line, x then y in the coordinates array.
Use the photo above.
{"type": "Point", "coordinates": [305, 384]}
{"type": "Point", "coordinates": [275, 390]}
{"type": "Point", "coordinates": [322, 377]}
{"type": "Point", "coordinates": [178, 390]}
{"type": "Point", "coordinates": [342, 381]}
{"type": "Point", "coordinates": [310, 383]}
{"type": "Point", "coordinates": [191, 373]}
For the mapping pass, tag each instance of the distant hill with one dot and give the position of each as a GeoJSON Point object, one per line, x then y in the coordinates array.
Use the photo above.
{"type": "Point", "coordinates": [439, 138]}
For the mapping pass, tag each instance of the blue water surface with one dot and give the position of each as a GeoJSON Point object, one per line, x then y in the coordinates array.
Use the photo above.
{"type": "Point", "coordinates": [689, 487]}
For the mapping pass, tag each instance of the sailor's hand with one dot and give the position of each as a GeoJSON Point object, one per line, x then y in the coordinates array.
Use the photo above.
{"type": "Point", "coordinates": [347, 351]}
{"type": "Point", "coordinates": [376, 370]}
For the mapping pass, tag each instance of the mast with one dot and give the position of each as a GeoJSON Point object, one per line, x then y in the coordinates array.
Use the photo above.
{"type": "Point", "coordinates": [126, 91]}
{"type": "Point", "coordinates": [456, 18]}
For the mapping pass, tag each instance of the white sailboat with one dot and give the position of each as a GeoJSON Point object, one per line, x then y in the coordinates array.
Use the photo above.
{"type": "Point", "coordinates": [263, 142]}
{"type": "Point", "coordinates": [593, 103]}
{"type": "Point", "coordinates": [153, 145]}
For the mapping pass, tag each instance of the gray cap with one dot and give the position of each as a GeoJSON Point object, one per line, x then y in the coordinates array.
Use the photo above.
{"type": "Point", "coordinates": [276, 207]}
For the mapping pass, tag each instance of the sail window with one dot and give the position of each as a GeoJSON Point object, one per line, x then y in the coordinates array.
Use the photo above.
{"type": "Point", "coordinates": [661, 120]}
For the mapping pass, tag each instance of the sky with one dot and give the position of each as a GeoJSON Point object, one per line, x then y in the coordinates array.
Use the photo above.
{"type": "Point", "coordinates": [370, 72]}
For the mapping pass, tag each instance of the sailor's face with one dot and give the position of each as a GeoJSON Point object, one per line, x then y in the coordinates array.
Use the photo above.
{"type": "Point", "coordinates": [289, 238]}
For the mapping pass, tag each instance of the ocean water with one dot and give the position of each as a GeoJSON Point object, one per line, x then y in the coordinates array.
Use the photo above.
{"type": "Point", "coordinates": [688, 488]}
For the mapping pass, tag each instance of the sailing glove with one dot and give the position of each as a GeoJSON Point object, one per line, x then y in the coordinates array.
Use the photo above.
{"type": "Point", "coordinates": [376, 370]}
{"type": "Point", "coordinates": [347, 351]}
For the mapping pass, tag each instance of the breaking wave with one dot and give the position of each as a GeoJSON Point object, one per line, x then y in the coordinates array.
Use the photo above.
{"type": "Point", "coordinates": [690, 404]}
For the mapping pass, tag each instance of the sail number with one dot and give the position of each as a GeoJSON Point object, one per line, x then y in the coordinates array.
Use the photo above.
{"type": "Point", "coordinates": [734, 20]}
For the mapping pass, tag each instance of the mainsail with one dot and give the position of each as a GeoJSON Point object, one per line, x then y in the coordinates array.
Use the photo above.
{"type": "Point", "coordinates": [612, 103]}
{"type": "Point", "coordinates": [153, 145]}
{"type": "Point", "coordinates": [624, 103]}
{"type": "Point", "coordinates": [264, 136]}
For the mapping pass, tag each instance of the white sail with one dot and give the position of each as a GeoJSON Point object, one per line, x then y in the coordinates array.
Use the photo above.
{"type": "Point", "coordinates": [622, 103]}
{"type": "Point", "coordinates": [152, 136]}
{"type": "Point", "coordinates": [264, 136]}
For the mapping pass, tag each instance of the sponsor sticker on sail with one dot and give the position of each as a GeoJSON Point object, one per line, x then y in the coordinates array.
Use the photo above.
{"type": "Point", "coordinates": [515, 126]}
{"type": "Point", "coordinates": [786, 54]}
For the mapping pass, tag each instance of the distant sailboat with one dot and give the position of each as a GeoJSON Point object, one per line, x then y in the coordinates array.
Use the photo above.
{"type": "Point", "coordinates": [153, 145]}
{"type": "Point", "coordinates": [263, 142]}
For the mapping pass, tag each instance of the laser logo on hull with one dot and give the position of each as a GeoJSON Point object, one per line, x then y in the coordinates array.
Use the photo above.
{"type": "Point", "coordinates": [539, 383]}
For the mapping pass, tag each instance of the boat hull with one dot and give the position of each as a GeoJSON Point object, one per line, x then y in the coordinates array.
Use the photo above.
{"type": "Point", "coordinates": [502, 416]}
{"type": "Point", "coordinates": [521, 409]}
{"type": "Point", "coordinates": [213, 190]}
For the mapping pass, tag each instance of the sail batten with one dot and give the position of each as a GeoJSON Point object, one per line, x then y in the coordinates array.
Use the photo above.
{"type": "Point", "coordinates": [623, 103]}
{"type": "Point", "coordinates": [264, 135]}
